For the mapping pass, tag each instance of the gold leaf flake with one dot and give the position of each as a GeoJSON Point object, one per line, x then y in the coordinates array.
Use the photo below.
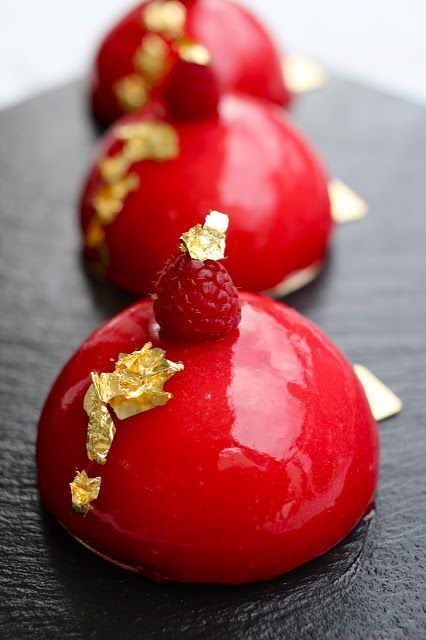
{"type": "Point", "coordinates": [100, 434]}
{"type": "Point", "coordinates": [383, 402]}
{"type": "Point", "coordinates": [166, 17]}
{"type": "Point", "coordinates": [113, 168]}
{"type": "Point", "coordinates": [106, 205]}
{"type": "Point", "coordinates": [152, 140]}
{"type": "Point", "coordinates": [122, 188]}
{"type": "Point", "coordinates": [301, 74]}
{"type": "Point", "coordinates": [138, 381]}
{"type": "Point", "coordinates": [151, 57]}
{"type": "Point", "coordinates": [83, 491]}
{"type": "Point", "coordinates": [162, 141]}
{"type": "Point", "coordinates": [136, 150]}
{"type": "Point", "coordinates": [95, 235]}
{"type": "Point", "coordinates": [135, 385]}
{"type": "Point", "coordinates": [158, 141]}
{"type": "Point", "coordinates": [131, 92]}
{"type": "Point", "coordinates": [101, 429]}
{"type": "Point", "coordinates": [108, 200]}
{"type": "Point", "coordinates": [207, 242]}
{"type": "Point", "coordinates": [131, 130]}
{"type": "Point", "coordinates": [193, 52]}
{"type": "Point", "coordinates": [346, 205]}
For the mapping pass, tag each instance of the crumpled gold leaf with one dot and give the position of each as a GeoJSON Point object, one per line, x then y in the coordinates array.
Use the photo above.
{"type": "Point", "coordinates": [149, 140]}
{"type": "Point", "coordinates": [101, 428]}
{"type": "Point", "coordinates": [135, 385]}
{"type": "Point", "coordinates": [106, 205]}
{"type": "Point", "coordinates": [113, 168]}
{"type": "Point", "coordinates": [151, 59]}
{"type": "Point", "coordinates": [166, 17]}
{"type": "Point", "coordinates": [108, 200]}
{"type": "Point", "coordinates": [191, 51]}
{"type": "Point", "coordinates": [136, 150]}
{"type": "Point", "coordinates": [83, 491]}
{"type": "Point", "coordinates": [142, 140]}
{"type": "Point", "coordinates": [131, 130]}
{"type": "Point", "coordinates": [138, 381]}
{"type": "Point", "coordinates": [162, 141]}
{"type": "Point", "coordinates": [131, 92]}
{"type": "Point", "coordinates": [157, 141]}
{"type": "Point", "coordinates": [207, 242]}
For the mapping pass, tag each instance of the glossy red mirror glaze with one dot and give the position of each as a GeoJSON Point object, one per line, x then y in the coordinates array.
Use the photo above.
{"type": "Point", "coordinates": [266, 457]}
{"type": "Point", "coordinates": [249, 162]}
{"type": "Point", "coordinates": [243, 56]}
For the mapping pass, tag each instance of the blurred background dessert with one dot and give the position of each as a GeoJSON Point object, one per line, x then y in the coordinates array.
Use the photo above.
{"type": "Point", "coordinates": [380, 43]}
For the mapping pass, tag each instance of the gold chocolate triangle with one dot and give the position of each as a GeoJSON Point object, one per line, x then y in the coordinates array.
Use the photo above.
{"type": "Point", "coordinates": [302, 75]}
{"type": "Point", "coordinates": [346, 205]}
{"type": "Point", "coordinates": [383, 402]}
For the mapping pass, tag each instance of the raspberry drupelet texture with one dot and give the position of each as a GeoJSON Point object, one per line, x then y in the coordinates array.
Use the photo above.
{"type": "Point", "coordinates": [196, 298]}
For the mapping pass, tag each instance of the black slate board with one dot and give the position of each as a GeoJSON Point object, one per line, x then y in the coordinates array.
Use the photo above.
{"type": "Point", "coordinates": [371, 300]}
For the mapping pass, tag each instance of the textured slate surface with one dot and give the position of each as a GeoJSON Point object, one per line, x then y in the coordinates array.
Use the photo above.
{"type": "Point", "coordinates": [371, 300]}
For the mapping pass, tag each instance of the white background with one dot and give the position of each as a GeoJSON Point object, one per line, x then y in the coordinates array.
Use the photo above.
{"type": "Point", "coordinates": [381, 42]}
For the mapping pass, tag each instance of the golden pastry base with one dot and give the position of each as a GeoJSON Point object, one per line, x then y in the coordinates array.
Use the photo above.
{"type": "Point", "coordinates": [98, 553]}
{"type": "Point", "coordinates": [296, 280]}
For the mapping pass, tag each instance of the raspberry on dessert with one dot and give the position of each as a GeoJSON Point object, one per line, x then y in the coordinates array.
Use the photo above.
{"type": "Point", "coordinates": [191, 91]}
{"type": "Point", "coordinates": [194, 295]}
{"type": "Point", "coordinates": [196, 298]}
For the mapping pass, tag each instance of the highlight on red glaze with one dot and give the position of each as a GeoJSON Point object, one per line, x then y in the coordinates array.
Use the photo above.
{"type": "Point", "coordinates": [243, 56]}
{"type": "Point", "coordinates": [266, 457]}
{"type": "Point", "coordinates": [249, 162]}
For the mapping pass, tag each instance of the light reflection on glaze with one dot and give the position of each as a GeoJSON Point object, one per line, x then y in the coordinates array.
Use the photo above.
{"type": "Point", "coordinates": [300, 511]}
{"type": "Point", "coordinates": [234, 457]}
{"type": "Point", "coordinates": [241, 143]}
{"type": "Point", "coordinates": [261, 394]}
{"type": "Point", "coordinates": [73, 392]}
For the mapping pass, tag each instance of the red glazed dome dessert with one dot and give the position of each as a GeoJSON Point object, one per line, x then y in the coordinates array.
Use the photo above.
{"type": "Point", "coordinates": [136, 57]}
{"type": "Point", "coordinates": [259, 454]}
{"type": "Point", "coordinates": [156, 175]}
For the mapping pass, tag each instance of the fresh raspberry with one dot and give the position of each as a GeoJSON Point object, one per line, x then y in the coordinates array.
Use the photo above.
{"type": "Point", "coordinates": [191, 91]}
{"type": "Point", "coordinates": [196, 298]}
